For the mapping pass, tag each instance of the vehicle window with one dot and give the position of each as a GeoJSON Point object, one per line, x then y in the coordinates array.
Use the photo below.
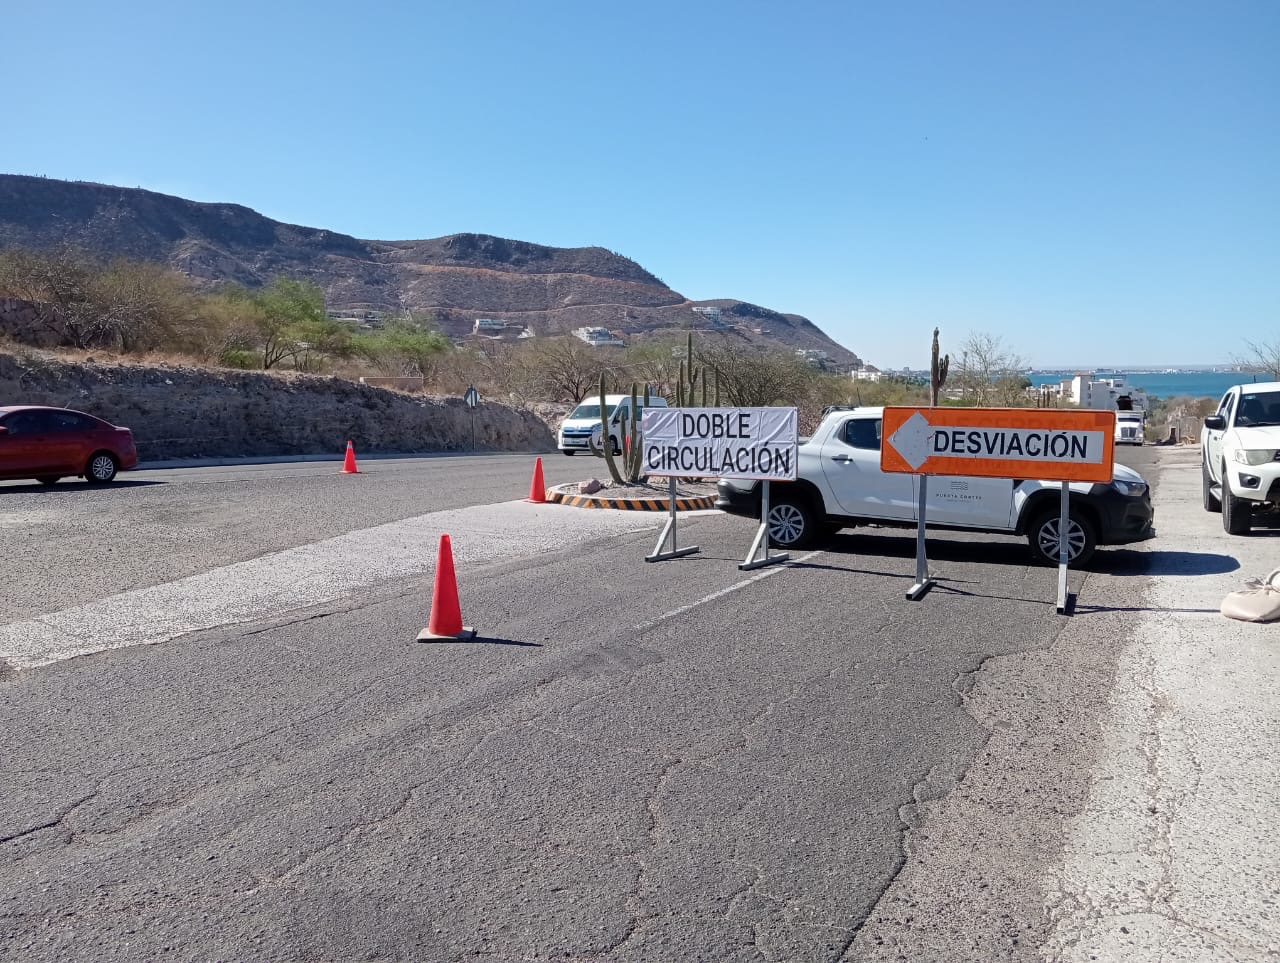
{"type": "Point", "coordinates": [1259, 408]}
{"type": "Point", "coordinates": [69, 421]}
{"type": "Point", "coordinates": [1227, 404]}
{"type": "Point", "coordinates": [862, 433]}
{"type": "Point", "coordinates": [27, 423]}
{"type": "Point", "coordinates": [588, 411]}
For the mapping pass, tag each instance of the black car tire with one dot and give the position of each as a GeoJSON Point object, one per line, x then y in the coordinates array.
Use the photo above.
{"type": "Point", "coordinates": [792, 523]}
{"type": "Point", "coordinates": [1042, 536]}
{"type": "Point", "coordinates": [569, 452]}
{"type": "Point", "coordinates": [1237, 513]}
{"type": "Point", "coordinates": [49, 479]}
{"type": "Point", "coordinates": [1211, 501]}
{"type": "Point", "coordinates": [101, 469]}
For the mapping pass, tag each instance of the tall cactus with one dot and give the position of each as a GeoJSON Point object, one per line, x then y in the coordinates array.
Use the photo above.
{"type": "Point", "coordinates": [937, 371]}
{"type": "Point", "coordinates": [691, 378]}
{"type": "Point", "coordinates": [630, 442]}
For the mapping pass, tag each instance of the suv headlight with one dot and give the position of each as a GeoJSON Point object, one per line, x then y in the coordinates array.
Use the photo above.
{"type": "Point", "coordinates": [1254, 456]}
{"type": "Point", "coordinates": [1132, 489]}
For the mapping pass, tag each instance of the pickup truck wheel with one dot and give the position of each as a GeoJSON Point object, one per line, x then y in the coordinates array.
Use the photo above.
{"type": "Point", "coordinates": [568, 451]}
{"type": "Point", "coordinates": [1043, 538]}
{"type": "Point", "coordinates": [791, 523]}
{"type": "Point", "coordinates": [1211, 502]}
{"type": "Point", "coordinates": [1237, 513]}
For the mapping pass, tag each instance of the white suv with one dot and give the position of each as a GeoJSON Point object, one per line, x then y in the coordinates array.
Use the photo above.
{"type": "Point", "coordinates": [1241, 448]}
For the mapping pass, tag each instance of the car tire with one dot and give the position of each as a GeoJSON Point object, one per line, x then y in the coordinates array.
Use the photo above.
{"type": "Point", "coordinates": [1237, 513]}
{"type": "Point", "coordinates": [49, 479]}
{"type": "Point", "coordinates": [792, 523]}
{"type": "Point", "coordinates": [1042, 536]}
{"type": "Point", "coordinates": [569, 453]}
{"type": "Point", "coordinates": [101, 469]}
{"type": "Point", "coordinates": [1211, 501]}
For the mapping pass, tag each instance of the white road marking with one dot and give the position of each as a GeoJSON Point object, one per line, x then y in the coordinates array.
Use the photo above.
{"type": "Point", "coordinates": [308, 575]}
{"type": "Point", "coordinates": [652, 623]}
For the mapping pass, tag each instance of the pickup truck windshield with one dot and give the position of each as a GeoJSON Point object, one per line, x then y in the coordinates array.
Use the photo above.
{"type": "Point", "coordinates": [1259, 408]}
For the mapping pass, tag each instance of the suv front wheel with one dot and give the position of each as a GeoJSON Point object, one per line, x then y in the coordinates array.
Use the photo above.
{"type": "Point", "coordinates": [792, 523]}
{"type": "Point", "coordinates": [1042, 536]}
{"type": "Point", "coordinates": [1237, 513]}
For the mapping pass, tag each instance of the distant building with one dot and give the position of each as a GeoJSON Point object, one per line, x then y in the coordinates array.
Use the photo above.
{"type": "Point", "coordinates": [866, 372]}
{"type": "Point", "coordinates": [1088, 391]}
{"type": "Point", "coordinates": [498, 329]}
{"type": "Point", "coordinates": [597, 337]}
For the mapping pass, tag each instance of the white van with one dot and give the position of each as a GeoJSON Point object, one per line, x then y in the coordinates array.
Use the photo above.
{"type": "Point", "coordinates": [576, 429]}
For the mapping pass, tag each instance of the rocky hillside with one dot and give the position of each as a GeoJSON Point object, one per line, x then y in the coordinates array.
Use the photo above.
{"type": "Point", "coordinates": [183, 412]}
{"type": "Point", "coordinates": [459, 277]}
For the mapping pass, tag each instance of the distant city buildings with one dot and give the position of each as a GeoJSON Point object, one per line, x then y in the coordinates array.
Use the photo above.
{"type": "Point", "coordinates": [1089, 391]}
{"type": "Point", "coordinates": [866, 372]}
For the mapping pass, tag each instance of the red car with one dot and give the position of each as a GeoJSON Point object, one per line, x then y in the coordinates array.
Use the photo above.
{"type": "Point", "coordinates": [50, 443]}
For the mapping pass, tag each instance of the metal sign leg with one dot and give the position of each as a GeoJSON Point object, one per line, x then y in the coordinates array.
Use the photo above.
{"type": "Point", "coordinates": [669, 531]}
{"type": "Point", "coordinates": [1064, 520]}
{"type": "Point", "coordinates": [923, 582]}
{"type": "Point", "coordinates": [759, 555]}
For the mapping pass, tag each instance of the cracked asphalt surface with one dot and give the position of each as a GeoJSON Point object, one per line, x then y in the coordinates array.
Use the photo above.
{"type": "Point", "coordinates": [606, 775]}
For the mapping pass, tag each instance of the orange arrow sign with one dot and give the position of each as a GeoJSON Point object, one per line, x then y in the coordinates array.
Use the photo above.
{"type": "Point", "coordinates": [1047, 443]}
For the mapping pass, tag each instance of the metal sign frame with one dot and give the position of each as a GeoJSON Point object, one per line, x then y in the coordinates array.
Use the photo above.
{"type": "Point", "coordinates": [1095, 421]}
{"type": "Point", "coordinates": [669, 531]}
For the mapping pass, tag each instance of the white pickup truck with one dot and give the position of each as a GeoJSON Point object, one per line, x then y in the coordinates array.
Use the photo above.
{"type": "Point", "coordinates": [1240, 445]}
{"type": "Point", "coordinates": [839, 484]}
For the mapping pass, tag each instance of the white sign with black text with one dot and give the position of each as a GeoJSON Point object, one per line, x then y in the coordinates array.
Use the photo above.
{"type": "Point", "coordinates": [756, 443]}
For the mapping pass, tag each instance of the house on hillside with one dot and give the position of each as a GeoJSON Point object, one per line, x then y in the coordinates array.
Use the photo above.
{"type": "Point", "coordinates": [597, 337]}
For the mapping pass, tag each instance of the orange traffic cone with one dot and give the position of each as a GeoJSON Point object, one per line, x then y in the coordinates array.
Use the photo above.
{"type": "Point", "coordinates": [445, 621]}
{"type": "Point", "coordinates": [349, 463]}
{"type": "Point", "coordinates": [537, 490]}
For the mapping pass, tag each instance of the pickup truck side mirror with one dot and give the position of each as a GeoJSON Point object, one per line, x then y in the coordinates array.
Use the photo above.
{"type": "Point", "coordinates": [1215, 422]}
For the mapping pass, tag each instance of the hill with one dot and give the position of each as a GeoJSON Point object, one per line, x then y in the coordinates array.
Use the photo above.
{"type": "Point", "coordinates": [459, 277]}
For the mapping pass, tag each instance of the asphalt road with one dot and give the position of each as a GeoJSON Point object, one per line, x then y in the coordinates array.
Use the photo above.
{"type": "Point", "coordinates": [634, 762]}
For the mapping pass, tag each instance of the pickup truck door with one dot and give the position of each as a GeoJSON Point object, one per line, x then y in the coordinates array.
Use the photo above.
{"type": "Point", "coordinates": [851, 465]}
{"type": "Point", "coordinates": [980, 502]}
{"type": "Point", "coordinates": [1213, 437]}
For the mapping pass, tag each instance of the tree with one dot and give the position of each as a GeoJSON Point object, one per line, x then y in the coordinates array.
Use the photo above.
{"type": "Point", "coordinates": [408, 345]}
{"type": "Point", "coordinates": [1262, 357]}
{"type": "Point", "coordinates": [59, 286]}
{"type": "Point", "coordinates": [750, 377]}
{"type": "Point", "coordinates": [288, 311]}
{"type": "Point", "coordinates": [561, 368]}
{"type": "Point", "coordinates": [989, 374]}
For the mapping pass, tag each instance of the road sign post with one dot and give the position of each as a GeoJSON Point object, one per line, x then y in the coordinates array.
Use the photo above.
{"type": "Point", "coordinates": [1053, 444]}
{"type": "Point", "coordinates": [472, 398]}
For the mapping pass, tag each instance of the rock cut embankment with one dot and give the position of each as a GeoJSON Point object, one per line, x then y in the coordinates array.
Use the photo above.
{"type": "Point", "coordinates": [177, 411]}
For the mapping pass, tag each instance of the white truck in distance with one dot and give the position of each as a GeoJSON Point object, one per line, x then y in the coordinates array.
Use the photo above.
{"type": "Point", "coordinates": [839, 484]}
{"type": "Point", "coordinates": [1130, 426]}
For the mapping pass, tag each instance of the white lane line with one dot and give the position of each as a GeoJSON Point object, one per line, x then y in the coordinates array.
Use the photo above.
{"type": "Point", "coordinates": [653, 623]}
{"type": "Point", "coordinates": [314, 574]}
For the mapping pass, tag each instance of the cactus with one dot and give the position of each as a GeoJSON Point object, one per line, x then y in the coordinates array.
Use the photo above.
{"type": "Point", "coordinates": [632, 453]}
{"type": "Point", "coordinates": [937, 371]}
{"type": "Point", "coordinates": [692, 378]}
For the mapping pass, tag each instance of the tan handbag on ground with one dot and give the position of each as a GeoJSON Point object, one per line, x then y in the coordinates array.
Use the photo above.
{"type": "Point", "coordinates": [1259, 601]}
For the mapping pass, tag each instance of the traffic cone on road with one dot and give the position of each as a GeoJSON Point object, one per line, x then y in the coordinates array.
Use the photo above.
{"type": "Point", "coordinates": [445, 620]}
{"type": "Point", "coordinates": [349, 464]}
{"type": "Point", "coordinates": [537, 489]}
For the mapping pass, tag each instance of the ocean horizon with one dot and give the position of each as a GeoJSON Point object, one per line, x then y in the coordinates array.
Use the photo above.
{"type": "Point", "coordinates": [1159, 384]}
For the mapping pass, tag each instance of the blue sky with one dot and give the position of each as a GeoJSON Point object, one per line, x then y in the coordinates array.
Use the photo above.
{"type": "Point", "coordinates": [1095, 183]}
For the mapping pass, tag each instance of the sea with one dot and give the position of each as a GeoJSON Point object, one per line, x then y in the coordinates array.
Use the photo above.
{"type": "Point", "coordinates": [1162, 384]}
